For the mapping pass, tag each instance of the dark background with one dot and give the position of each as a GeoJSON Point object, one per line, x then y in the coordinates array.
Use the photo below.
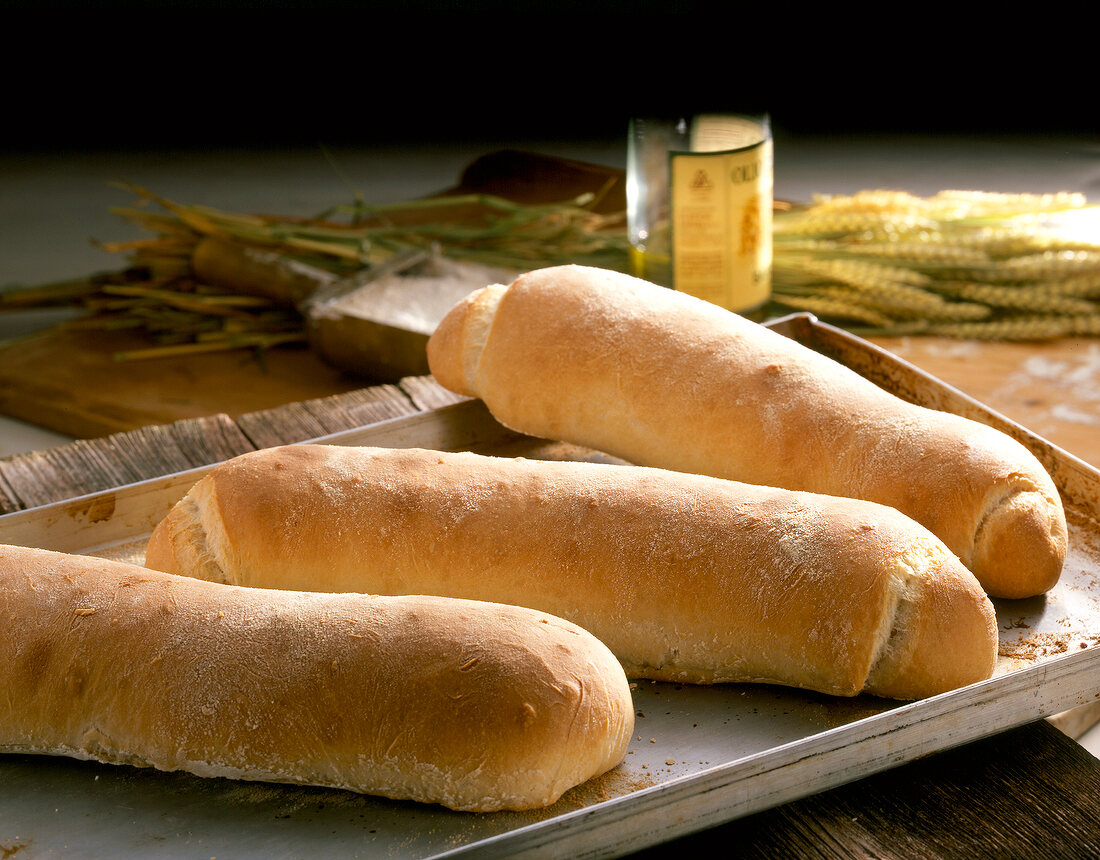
{"type": "Point", "coordinates": [164, 75]}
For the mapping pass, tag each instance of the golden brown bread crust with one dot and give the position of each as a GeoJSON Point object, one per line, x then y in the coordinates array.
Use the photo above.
{"type": "Point", "coordinates": [472, 705]}
{"type": "Point", "coordinates": [685, 577]}
{"type": "Point", "coordinates": [659, 378]}
{"type": "Point", "coordinates": [461, 336]}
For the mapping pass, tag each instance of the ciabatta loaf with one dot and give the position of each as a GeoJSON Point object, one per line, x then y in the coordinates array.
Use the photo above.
{"type": "Point", "coordinates": [476, 706]}
{"type": "Point", "coordinates": [684, 577]}
{"type": "Point", "coordinates": [659, 378]}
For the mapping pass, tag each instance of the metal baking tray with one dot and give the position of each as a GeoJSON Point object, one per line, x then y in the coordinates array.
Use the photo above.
{"type": "Point", "coordinates": [700, 756]}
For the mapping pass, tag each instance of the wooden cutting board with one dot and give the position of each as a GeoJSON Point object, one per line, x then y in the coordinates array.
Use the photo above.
{"type": "Point", "coordinates": [69, 381]}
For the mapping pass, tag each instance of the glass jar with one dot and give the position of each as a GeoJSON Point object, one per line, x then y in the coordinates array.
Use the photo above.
{"type": "Point", "coordinates": [699, 206]}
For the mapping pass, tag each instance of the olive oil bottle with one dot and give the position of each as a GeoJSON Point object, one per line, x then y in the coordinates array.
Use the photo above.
{"type": "Point", "coordinates": [699, 206]}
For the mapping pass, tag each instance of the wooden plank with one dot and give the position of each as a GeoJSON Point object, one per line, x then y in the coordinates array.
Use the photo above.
{"type": "Point", "coordinates": [361, 408]}
{"type": "Point", "coordinates": [426, 393]}
{"type": "Point", "coordinates": [164, 449]}
{"type": "Point", "coordinates": [67, 471]}
{"type": "Point", "coordinates": [1029, 792]}
{"type": "Point", "coordinates": [90, 465]}
{"type": "Point", "coordinates": [209, 440]}
{"type": "Point", "coordinates": [311, 419]}
{"type": "Point", "coordinates": [148, 451]}
{"type": "Point", "coordinates": [9, 501]}
{"type": "Point", "coordinates": [280, 425]}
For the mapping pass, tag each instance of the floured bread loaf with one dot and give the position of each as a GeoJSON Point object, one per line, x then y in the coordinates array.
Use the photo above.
{"type": "Point", "coordinates": [660, 378]}
{"type": "Point", "coordinates": [684, 577]}
{"type": "Point", "coordinates": [475, 706]}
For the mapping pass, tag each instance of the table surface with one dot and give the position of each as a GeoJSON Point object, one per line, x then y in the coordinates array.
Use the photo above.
{"type": "Point", "coordinates": [51, 206]}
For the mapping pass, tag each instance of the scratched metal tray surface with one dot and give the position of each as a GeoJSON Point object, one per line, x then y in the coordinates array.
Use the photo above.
{"type": "Point", "coordinates": [700, 756]}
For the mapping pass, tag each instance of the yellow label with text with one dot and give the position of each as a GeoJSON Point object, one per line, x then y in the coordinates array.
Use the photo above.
{"type": "Point", "coordinates": [721, 208]}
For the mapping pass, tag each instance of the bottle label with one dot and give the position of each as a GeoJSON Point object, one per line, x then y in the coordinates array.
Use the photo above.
{"type": "Point", "coordinates": [721, 206]}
